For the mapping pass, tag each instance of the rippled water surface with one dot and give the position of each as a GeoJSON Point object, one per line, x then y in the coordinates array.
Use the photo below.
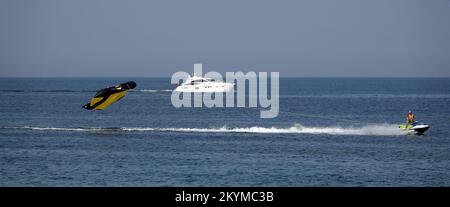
{"type": "Point", "coordinates": [329, 132]}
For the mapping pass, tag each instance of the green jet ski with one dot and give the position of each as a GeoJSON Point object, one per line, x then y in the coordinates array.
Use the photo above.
{"type": "Point", "coordinates": [416, 127]}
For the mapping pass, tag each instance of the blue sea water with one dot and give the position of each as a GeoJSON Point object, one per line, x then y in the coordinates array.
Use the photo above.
{"type": "Point", "coordinates": [330, 132]}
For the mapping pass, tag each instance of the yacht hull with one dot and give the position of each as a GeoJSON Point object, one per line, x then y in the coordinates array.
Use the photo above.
{"type": "Point", "coordinates": [218, 88]}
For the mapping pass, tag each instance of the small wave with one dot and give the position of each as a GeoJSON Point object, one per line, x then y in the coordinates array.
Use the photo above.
{"type": "Point", "coordinates": [374, 129]}
{"type": "Point", "coordinates": [46, 91]}
{"type": "Point", "coordinates": [387, 96]}
{"type": "Point", "coordinates": [66, 129]}
{"type": "Point", "coordinates": [153, 90]}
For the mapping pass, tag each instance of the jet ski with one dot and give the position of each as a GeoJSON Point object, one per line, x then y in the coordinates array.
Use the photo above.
{"type": "Point", "coordinates": [416, 127]}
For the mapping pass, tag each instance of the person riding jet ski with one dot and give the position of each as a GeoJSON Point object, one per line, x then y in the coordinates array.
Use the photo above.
{"type": "Point", "coordinates": [410, 119]}
{"type": "Point", "coordinates": [413, 126]}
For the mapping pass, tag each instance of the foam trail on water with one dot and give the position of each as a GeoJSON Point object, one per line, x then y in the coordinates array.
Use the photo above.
{"type": "Point", "coordinates": [373, 129]}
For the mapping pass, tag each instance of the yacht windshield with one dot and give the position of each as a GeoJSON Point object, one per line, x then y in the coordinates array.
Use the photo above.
{"type": "Point", "coordinates": [197, 81]}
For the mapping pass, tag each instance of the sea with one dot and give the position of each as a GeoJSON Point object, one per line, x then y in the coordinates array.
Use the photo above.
{"type": "Point", "coordinates": [329, 132]}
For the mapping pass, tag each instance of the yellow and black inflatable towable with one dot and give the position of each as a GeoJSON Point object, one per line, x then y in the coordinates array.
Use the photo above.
{"type": "Point", "coordinates": [107, 96]}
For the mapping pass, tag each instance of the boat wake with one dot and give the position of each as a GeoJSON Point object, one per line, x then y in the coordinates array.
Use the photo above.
{"type": "Point", "coordinates": [372, 129]}
{"type": "Point", "coordinates": [153, 90]}
{"type": "Point", "coordinates": [79, 91]}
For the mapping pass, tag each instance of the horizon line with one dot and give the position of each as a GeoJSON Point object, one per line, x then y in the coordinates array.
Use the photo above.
{"type": "Point", "coordinates": [269, 76]}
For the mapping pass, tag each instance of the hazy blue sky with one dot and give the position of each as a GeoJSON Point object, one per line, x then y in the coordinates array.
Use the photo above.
{"type": "Point", "coordinates": [157, 38]}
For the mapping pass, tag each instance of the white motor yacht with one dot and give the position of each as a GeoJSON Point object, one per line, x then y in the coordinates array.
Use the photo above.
{"type": "Point", "coordinates": [199, 84]}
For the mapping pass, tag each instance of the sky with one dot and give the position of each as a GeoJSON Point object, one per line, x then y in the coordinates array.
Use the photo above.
{"type": "Point", "coordinates": [303, 38]}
